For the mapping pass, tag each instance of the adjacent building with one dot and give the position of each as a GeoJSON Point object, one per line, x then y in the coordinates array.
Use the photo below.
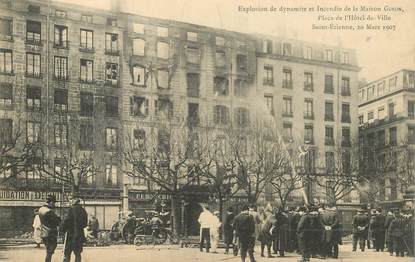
{"type": "Point", "coordinates": [387, 134]}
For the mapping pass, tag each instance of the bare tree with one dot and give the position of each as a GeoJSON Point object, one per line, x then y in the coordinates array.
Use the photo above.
{"type": "Point", "coordinates": [165, 160]}
{"type": "Point", "coordinates": [405, 163]}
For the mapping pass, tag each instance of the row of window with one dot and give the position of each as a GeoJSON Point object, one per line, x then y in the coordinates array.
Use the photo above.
{"type": "Point", "coordinates": [308, 53]}
{"type": "Point", "coordinates": [309, 134]}
{"type": "Point", "coordinates": [378, 90]}
{"type": "Point", "coordinates": [379, 138]}
{"type": "Point", "coordinates": [287, 81]}
{"type": "Point", "coordinates": [381, 113]}
{"type": "Point", "coordinates": [308, 108]}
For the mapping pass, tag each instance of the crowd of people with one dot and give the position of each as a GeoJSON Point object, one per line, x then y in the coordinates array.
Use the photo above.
{"type": "Point", "coordinates": [312, 231]}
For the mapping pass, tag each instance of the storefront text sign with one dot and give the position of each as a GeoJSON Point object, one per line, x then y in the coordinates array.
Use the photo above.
{"type": "Point", "coordinates": [17, 195]}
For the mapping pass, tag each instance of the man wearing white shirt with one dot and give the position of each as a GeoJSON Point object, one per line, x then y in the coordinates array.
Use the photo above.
{"type": "Point", "coordinates": [204, 220]}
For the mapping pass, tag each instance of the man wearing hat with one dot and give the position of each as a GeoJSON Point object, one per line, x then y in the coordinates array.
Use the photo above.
{"type": "Point", "coordinates": [73, 226]}
{"type": "Point", "coordinates": [49, 226]}
{"type": "Point", "coordinates": [378, 230]}
{"type": "Point", "coordinates": [360, 229]}
{"type": "Point", "coordinates": [244, 225]}
{"type": "Point", "coordinates": [397, 232]}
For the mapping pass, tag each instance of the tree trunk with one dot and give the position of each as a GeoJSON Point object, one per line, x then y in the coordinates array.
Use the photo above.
{"type": "Point", "coordinates": [220, 215]}
{"type": "Point", "coordinates": [175, 213]}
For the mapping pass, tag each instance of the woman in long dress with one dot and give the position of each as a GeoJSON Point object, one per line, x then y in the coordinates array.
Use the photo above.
{"type": "Point", "coordinates": [36, 229]}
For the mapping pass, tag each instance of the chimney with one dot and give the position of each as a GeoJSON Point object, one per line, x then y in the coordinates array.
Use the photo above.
{"type": "Point", "coordinates": [115, 6]}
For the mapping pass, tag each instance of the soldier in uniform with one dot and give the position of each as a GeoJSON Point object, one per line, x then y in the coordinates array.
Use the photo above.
{"type": "Point", "coordinates": [360, 226]}
{"type": "Point", "coordinates": [397, 232]}
{"type": "Point", "coordinates": [244, 225]}
{"type": "Point", "coordinates": [73, 227]}
{"type": "Point", "coordinates": [329, 223]}
{"type": "Point", "coordinates": [49, 226]}
{"type": "Point", "coordinates": [306, 231]}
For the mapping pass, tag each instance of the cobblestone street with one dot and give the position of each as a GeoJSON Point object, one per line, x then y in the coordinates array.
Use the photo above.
{"type": "Point", "coordinates": [173, 253]}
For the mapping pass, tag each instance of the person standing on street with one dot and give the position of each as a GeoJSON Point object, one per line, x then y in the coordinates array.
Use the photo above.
{"type": "Point", "coordinates": [49, 226]}
{"type": "Point", "coordinates": [397, 232]}
{"type": "Point", "coordinates": [244, 225]}
{"type": "Point", "coordinates": [360, 226]}
{"type": "Point", "coordinates": [93, 225]}
{"type": "Point", "coordinates": [378, 230]}
{"type": "Point", "coordinates": [388, 220]}
{"type": "Point", "coordinates": [204, 221]}
{"type": "Point", "coordinates": [329, 223]}
{"type": "Point", "coordinates": [228, 229]}
{"type": "Point", "coordinates": [73, 227]}
{"type": "Point", "coordinates": [37, 229]}
{"type": "Point", "coordinates": [281, 232]}
{"type": "Point", "coordinates": [305, 231]}
{"type": "Point", "coordinates": [214, 230]}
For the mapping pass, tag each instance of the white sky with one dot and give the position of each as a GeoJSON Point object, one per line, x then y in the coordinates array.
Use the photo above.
{"type": "Point", "coordinates": [379, 53]}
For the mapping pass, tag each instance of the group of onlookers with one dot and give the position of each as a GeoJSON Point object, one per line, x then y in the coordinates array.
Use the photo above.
{"type": "Point", "coordinates": [393, 231]}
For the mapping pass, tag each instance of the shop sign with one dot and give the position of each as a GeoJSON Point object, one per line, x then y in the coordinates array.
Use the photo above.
{"type": "Point", "coordinates": [18, 195]}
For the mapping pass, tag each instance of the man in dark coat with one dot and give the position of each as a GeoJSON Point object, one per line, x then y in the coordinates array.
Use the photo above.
{"type": "Point", "coordinates": [280, 232]}
{"type": "Point", "coordinates": [228, 229]}
{"type": "Point", "coordinates": [388, 220]}
{"type": "Point", "coordinates": [360, 226]}
{"type": "Point", "coordinates": [49, 226]}
{"type": "Point", "coordinates": [397, 232]}
{"type": "Point", "coordinates": [329, 223]}
{"type": "Point", "coordinates": [306, 230]}
{"type": "Point", "coordinates": [244, 225]}
{"type": "Point", "coordinates": [378, 230]}
{"type": "Point", "coordinates": [73, 227]}
{"type": "Point", "coordinates": [410, 233]}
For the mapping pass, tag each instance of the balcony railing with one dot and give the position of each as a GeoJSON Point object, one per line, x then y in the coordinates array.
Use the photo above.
{"type": "Point", "coordinates": [345, 92]}
{"type": "Point", "coordinates": [268, 82]}
{"type": "Point", "coordinates": [61, 44]}
{"type": "Point", "coordinates": [34, 74]}
{"type": "Point", "coordinates": [328, 89]}
{"type": "Point", "coordinates": [308, 115]}
{"type": "Point", "coordinates": [346, 119]}
{"type": "Point", "coordinates": [112, 52]}
{"type": "Point", "coordinates": [87, 49]}
{"type": "Point", "coordinates": [329, 141]}
{"type": "Point", "coordinates": [192, 92]}
{"type": "Point", "coordinates": [308, 86]}
{"type": "Point", "coordinates": [32, 41]}
{"type": "Point", "coordinates": [328, 117]}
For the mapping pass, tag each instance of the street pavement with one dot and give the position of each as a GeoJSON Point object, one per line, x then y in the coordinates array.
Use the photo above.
{"type": "Point", "coordinates": [169, 253]}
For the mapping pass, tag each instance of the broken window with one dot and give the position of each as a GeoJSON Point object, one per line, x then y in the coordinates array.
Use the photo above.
{"type": "Point", "coordinates": [286, 49]}
{"type": "Point", "coordinates": [163, 79]}
{"type": "Point", "coordinates": [87, 39]}
{"type": "Point", "coordinates": [33, 64]}
{"type": "Point", "coordinates": [6, 96]}
{"type": "Point", "coordinates": [87, 104]}
{"type": "Point", "coordinates": [86, 74]}
{"type": "Point", "coordinates": [61, 99]}
{"type": "Point", "coordinates": [138, 46]}
{"type": "Point", "coordinates": [221, 86]}
{"type": "Point", "coordinates": [6, 29]}
{"type": "Point", "coordinates": [111, 73]}
{"type": "Point", "coordinates": [111, 43]}
{"type": "Point", "coordinates": [33, 32]}
{"type": "Point", "coordinates": [111, 137]}
{"type": "Point", "coordinates": [193, 82]}
{"type": "Point", "coordinates": [111, 175]}
{"type": "Point", "coordinates": [33, 97]}
{"type": "Point", "coordinates": [61, 134]}
{"type": "Point", "coordinates": [241, 62]}
{"type": "Point", "coordinates": [86, 140]}
{"type": "Point", "coordinates": [32, 132]}
{"type": "Point", "coordinates": [221, 115]}
{"type": "Point", "coordinates": [192, 55]}
{"type": "Point", "coordinates": [138, 75]}
{"type": "Point", "coordinates": [163, 50]}
{"type": "Point", "coordinates": [220, 58]}
{"type": "Point", "coordinates": [6, 62]}
{"type": "Point", "coordinates": [138, 106]}
{"type": "Point", "coordinates": [6, 131]}
{"type": "Point", "coordinates": [111, 106]}
{"type": "Point", "coordinates": [61, 67]}
{"type": "Point", "coordinates": [139, 138]}
{"type": "Point", "coordinates": [61, 36]}
{"type": "Point", "coordinates": [164, 108]}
